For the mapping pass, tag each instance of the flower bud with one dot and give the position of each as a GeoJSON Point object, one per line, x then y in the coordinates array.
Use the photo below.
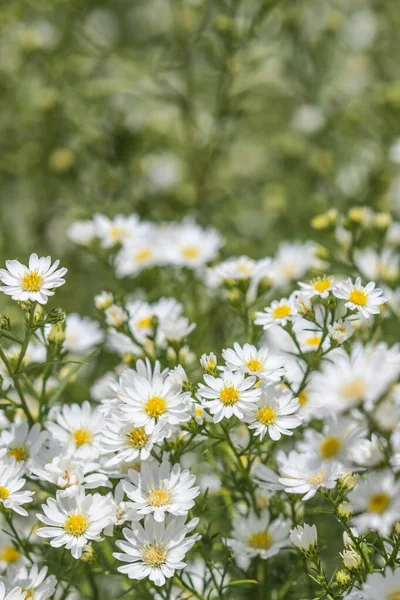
{"type": "Point", "coordinates": [57, 333]}
{"type": "Point", "coordinates": [343, 578]}
{"type": "Point", "coordinates": [345, 510]}
{"type": "Point", "coordinates": [57, 315]}
{"type": "Point", "coordinates": [351, 559]}
{"type": "Point", "coordinates": [5, 324]}
{"type": "Point", "coordinates": [103, 301]}
{"type": "Point", "coordinates": [208, 363]}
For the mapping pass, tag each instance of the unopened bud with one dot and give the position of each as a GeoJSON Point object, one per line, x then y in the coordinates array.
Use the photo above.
{"type": "Point", "coordinates": [57, 315]}
{"type": "Point", "coordinates": [57, 333]}
{"type": "Point", "coordinates": [351, 559]}
{"type": "Point", "coordinates": [345, 510]}
{"type": "Point", "coordinates": [5, 324]}
{"type": "Point", "coordinates": [343, 578]}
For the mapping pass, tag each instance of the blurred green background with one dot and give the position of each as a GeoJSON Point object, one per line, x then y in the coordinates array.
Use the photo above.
{"type": "Point", "coordinates": [249, 115]}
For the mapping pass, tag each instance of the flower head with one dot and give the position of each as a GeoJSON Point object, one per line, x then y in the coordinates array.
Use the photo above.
{"type": "Point", "coordinates": [364, 299]}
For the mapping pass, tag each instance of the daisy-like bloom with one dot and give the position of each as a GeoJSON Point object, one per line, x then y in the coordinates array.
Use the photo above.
{"type": "Point", "coordinates": [34, 282]}
{"type": "Point", "coordinates": [266, 478]}
{"type": "Point", "coordinates": [9, 554]}
{"type": "Point", "coordinates": [115, 316]}
{"type": "Point", "coordinates": [304, 537]}
{"type": "Point", "coordinates": [365, 299]}
{"type": "Point", "coordinates": [155, 550]}
{"type": "Point", "coordinates": [81, 334]}
{"type": "Point", "coordinates": [208, 363]}
{"type": "Point", "coordinates": [279, 313]}
{"type": "Point", "coordinates": [11, 482]}
{"type": "Point", "coordinates": [248, 359]}
{"type": "Point", "coordinates": [257, 536]}
{"type": "Point", "coordinates": [377, 499]}
{"type": "Point", "coordinates": [385, 586]}
{"type": "Point", "coordinates": [125, 442]}
{"type": "Point", "coordinates": [273, 414]}
{"type": "Point", "coordinates": [78, 427]}
{"type": "Point", "coordinates": [230, 394]}
{"type": "Point", "coordinates": [293, 260]}
{"type": "Point", "coordinates": [321, 287]}
{"type": "Point", "coordinates": [23, 443]}
{"type": "Point", "coordinates": [103, 300]}
{"type": "Point", "coordinates": [139, 254]}
{"type": "Point", "coordinates": [72, 521]}
{"type": "Point", "coordinates": [190, 245]}
{"type": "Point", "coordinates": [149, 398]}
{"type": "Point", "coordinates": [301, 475]}
{"type": "Point", "coordinates": [34, 582]}
{"type": "Point", "coordinates": [374, 265]}
{"type": "Point", "coordinates": [232, 269]}
{"type": "Point", "coordinates": [117, 231]}
{"type": "Point", "coordinates": [14, 594]}
{"type": "Point", "coordinates": [159, 489]}
{"type": "Point", "coordinates": [340, 331]}
{"type": "Point", "coordinates": [82, 232]}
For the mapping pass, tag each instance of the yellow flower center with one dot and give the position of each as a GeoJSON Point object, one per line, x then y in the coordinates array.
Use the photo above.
{"type": "Point", "coordinates": [143, 255]}
{"type": "Point", "coordinates": [4, 493]}
{"type": "Point", "coordinates": [190, 252]}
{"type": "Point", "coordinates": [137, 438]}
{"type": "Point", "coordinates": [243, 270]}
{"type": "Point", "coordinates": [154, 556]}
{"type": "Point", "coordinates": [82, 436]}
{"type": "Point", "coordinates": [303, 398]}
{"type": "Point", "coordinates": [28, 594]}
{"type": "Point", "coordinates": [317, 479]}
{"type": "Point", "coordinates": [254, 365]}
{"type": "Point", "coordinates": [76, 525]}
{"type": "Point", "coordinates": [353, 389]}
{"type": "Point", "coordinates": [330, 447]}
{"type": "Point", "coordinates": [394, 596]}
{"type": "Point", "coordinates": [155, 407]}
{"type": "Point", "coordinates": [321, 285]}
{"type": "Point", "coordinates": [199, 411]}
{"type": "Point", "coordinates": [281, 312]}
{"type": "Point", "coordinates": [19, 453]}
{"type": "Point", "coordinates": [378, 503]}
{"type": "Point", "coordinates": [159, 497]}
{"type": "Point", "coordinates": [358, 297]}
{"type": "Point", "coordinates": [260, 541]}
{"type": "Point", "coordinates": [229, 395]}
{"type": "Point", "coordinates": [266, 415]}
{"type": "Point", "coordinates": [118, 232]}
{"type": "Point", "coordinates": [314, 340]}
{"type": "Point", "coordinates": [145, 323]}
{"type": "Point", "coordinates": [9, 554]}
{"type": "Point", "coordinates": [32, 281]}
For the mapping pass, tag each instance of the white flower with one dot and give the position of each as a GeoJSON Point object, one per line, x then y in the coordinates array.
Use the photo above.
{"type": "Point", "coordinates": [151, 398]}
{"type": "Point", "coordinates": [364, 299]}
{"type": "Point", "coordinates": [34, 282]}
{"type": "Point", "coordinates": [292, 261]}
{"type": "Point", "coordinates": [34, 582]}
{"type": "Point", "coordinates": [115, 316]}
{"type": "Point", "coordinates": [304, 536]}
{"type": "Point", "coordinates": [117, 231]}
{"type": "Point", "coordinates": [156, 550]}
{"type": "Point", "coordinates": [374, 265]}
{"type": "Point", "coordinates": [208, 362]}
{"type": "Point", "coordinates": [230, 394]}
{"type": "Point", "coordinates": [351, 559]}
{"type": "Point", "coordinates": [14, 594]}
{"type": "Point", "coordinates": [258, 536]}
{"type": "Point", "coordinates": [248, 359]}
{"type": "Point", "coordinates": [232, 269]}
{"type": "Point", "coordinates": [103, 300]}
{"type": "Point", "coordinates": [190, 245]}
{"type": "Point", "coordinates": [139, 254]}
{"type": "Point", "coordinates": [79, 427]}
{"type": "Point", "coordinates": [11, 482]}
{"type": "Point", "coordinates": [382, 586]}
{"type": "Point", "coordinates": [279, 313]}
{"type": "Point", "coordinates": [126, 442]}
{"type": "Point", "coordinates": [81, 334]}
{"type": "Point", "coordinates": [23, 443]}
{"type": "Point", "coordinates": [378, 501]}
{"type": "Point", "coordinates": [302, 476]}
{"type": "Point", "coordinates": [340, 331]}
{"type": "Point", "coordinates": [82, 232]}
{"type": "Point", "coordinates": [159, 489]}
{"type": "Point", "coordinates": [274, 414]}
{"type": "Point", "coordinates": [321, 286]}
{"type": "Point", "coordinates": [72, 521]}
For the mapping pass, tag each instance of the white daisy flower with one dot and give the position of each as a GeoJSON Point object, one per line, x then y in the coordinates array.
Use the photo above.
{"type": "Point", "coordinates": [304, 537]}
{"type": "Point", "coordinates": [72, 521]}
{"type": "Point", "coordinates": [23, 443]}
{"type": "Point", "coordinates": [103, 300]}
{"type": "Point", "coordinates": [257, 536]}
{"type": "Point", "coordinates": [373, 265]}
{"type": "Point", "coordinates": [230, 394]}
{"type": "Point", "coordinates": [159, 489]}
{"type": "Point", "coordinates": [274, 414]}
{"type": "Point", "coordinates": [233, 269]}
{"type": "Point", "coordinates": [377, 499]}
{"type": "Point", "coordinates": [81, 334]}
{"type": "Point", "coordinates": [321, 287]}
{"type": "Point", "coordinates": [279, 313]}
{"type": "Point", "coordinates": [78, 427]}
{"type": "Point", "coordinates": [116, 231]}
{"type": "Point", "coordinates": [301, 475]}
{"type": "Point", "coordinates": [190, 245]}
{"type": "Point", "coordinates": [82, 232]}
{"type": "Point", "coordinates": [266, 478]}
{"type": "Point", "coordinates": [385, 586]}
{"type": "Point", "coordinates": [9, 554]}
{"type": "Point", "coordinates": [147, 399]}
{"type": "Point", "coordinates": [115, 316]}
{"type": "Point", "coordinates": [11, 483]}
{"type": "Point", "coordinates": [208, 363]}
{"type": "Point", "coordinates": [122, 344]}
{"type": "Point", "coordinates": [34, 282]}
{"type": "Point", "coordinates": [14, 594]}
{"type": "Point", "coordinates": [125, 442]}
{"type": "Point", "coordinates": [33, 582]}
{"type": "Point", "coordinates": [155, 550]}
{"type": "Point", "coordinates": [365, 299]}
{"type": "Point", "coordinates": [138, 254]}
{"type": "Point", "coordinates": [248, 359]}
{"type": "Point", "coordinates": [293, 260]}
{"type": "Point", "coordinates": [340, 331]}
